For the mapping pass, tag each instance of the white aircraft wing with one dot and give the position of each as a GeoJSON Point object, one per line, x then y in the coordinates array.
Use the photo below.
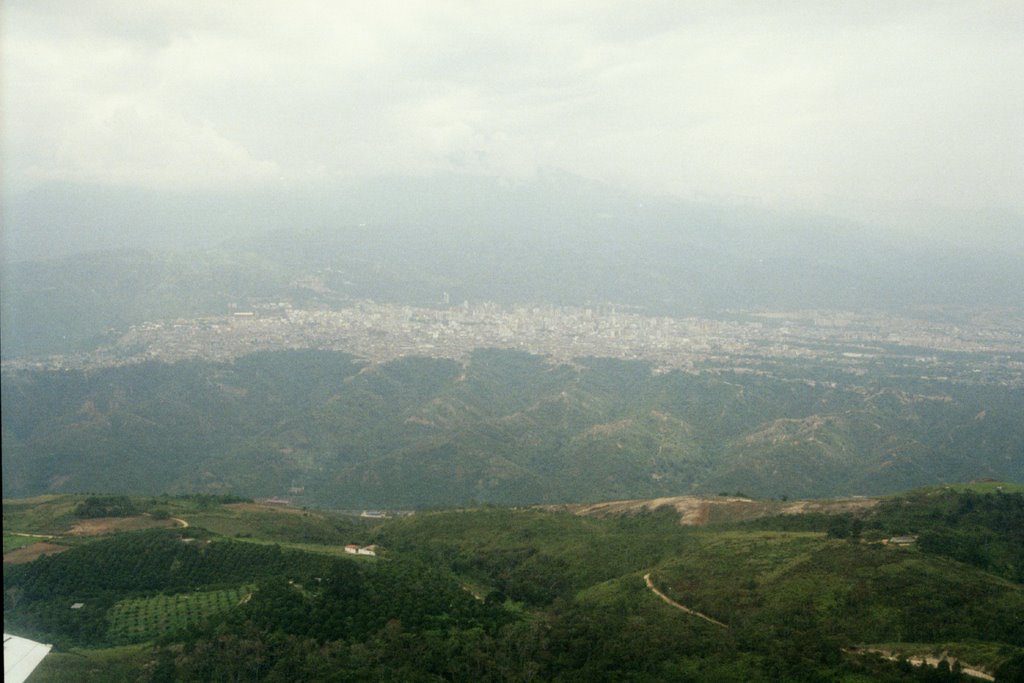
{"type": "Point", "coordinates": [21, 657]}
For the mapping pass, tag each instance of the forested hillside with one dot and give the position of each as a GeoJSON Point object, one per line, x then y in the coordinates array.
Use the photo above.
{"type": "Point", "coordinates": [505, 427]}
{"type": "Point", "coordinates": [501, 594]}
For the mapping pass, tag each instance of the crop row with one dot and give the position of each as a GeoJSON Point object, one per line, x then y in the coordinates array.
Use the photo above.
{"type": "Point", "coordinates": [143, 618]}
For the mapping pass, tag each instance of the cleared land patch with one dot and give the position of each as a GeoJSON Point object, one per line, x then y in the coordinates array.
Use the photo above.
{"type": "Point", "coordinates": [31, 552]}
{"type": "Point", "coordinates": [107, 525]}
{"type": "Point", "coordinates": [263, 507]}
{"type": "Point", "coordinates": [932, 660]}
{"type": "Point", "coordinates": [700, 510]}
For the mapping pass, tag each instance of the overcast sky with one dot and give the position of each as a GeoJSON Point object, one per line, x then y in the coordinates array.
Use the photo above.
{"type": "Point", "coordinates": [860, 109]}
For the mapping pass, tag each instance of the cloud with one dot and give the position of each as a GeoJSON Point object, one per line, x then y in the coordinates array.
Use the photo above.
{"type": "Point", "coordinates": [826, 105]}
{"type": "Point", "coordinates": [134, 143]}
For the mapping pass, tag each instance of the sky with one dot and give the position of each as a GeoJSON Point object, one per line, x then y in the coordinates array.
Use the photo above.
{"type": "Point", "coordinates": [899, 112]}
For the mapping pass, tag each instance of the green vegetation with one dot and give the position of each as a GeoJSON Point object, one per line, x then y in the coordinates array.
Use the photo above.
{"type": "Point", "coordinates": [989, 486]}
{"type": "Point", "coordinates": [849, 593]}
{"type": "Point", "coordinates": [534, 556]}
{"type": "Point", "coordinates": [494, 594]}
{"type": "Point", "coordinates": [137, 619]}
{"type": "Point", "coordinates": [981, 529]}
{"type": "Point", "coordinates": [13, 542]}
{"type": "Point", "coordinates": [286, 525]}
{"type": "Point", "coordinates": [106, 506]}
{"type": "Point", "coordinates": [50, 514]}
{"type": "Point", "coordinates": [505, 428]}
{"type": "Point", "coordinates": [100, 665]}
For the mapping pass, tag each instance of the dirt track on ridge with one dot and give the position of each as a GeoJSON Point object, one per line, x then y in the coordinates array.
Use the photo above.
{"type": "Point", "coordinates": [683, 608]}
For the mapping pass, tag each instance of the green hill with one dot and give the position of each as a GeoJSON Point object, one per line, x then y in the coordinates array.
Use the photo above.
{"type": "Point", "coordinates": [499, 594]}
{"type": "Point", "coordinates": [322, 428]}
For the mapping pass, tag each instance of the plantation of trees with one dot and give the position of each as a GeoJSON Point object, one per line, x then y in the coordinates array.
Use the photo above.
{"type": "Point", "coordinates": [495, 594]}
{"type": "Point", "coordinates": [136, 619]}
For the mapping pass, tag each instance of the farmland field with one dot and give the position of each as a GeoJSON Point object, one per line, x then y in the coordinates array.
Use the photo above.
{"type": "Point", "coordinates": [138, 619]}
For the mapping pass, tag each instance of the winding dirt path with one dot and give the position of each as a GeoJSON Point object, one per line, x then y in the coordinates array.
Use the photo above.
{"type": "Point", "coordinates": [179, 520]}
{"type": "Point", "coordinates": [683, 608]}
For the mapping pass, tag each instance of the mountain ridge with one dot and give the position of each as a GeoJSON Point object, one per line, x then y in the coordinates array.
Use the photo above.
{"type": "Point", "coordinates": [504, 427]}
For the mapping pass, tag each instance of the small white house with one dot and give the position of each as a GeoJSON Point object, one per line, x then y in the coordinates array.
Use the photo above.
{"type": "Point", "coordinates": [902, 540]}
{"type": "Point", "coordinates": [352, 549]}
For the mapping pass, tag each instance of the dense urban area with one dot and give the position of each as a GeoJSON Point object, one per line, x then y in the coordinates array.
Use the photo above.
{"type": "Point", "coordinates": [985, 347]}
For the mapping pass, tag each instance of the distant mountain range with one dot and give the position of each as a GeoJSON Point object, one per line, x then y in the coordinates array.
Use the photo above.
{"type": "Point", "coordinates": [558, 240]}
{"type": "Point", "coordinates": [324, 429]}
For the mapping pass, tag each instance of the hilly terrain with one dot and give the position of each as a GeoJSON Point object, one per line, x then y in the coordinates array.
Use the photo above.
{"type": "Point", "coordinates": [323, 428]}
{"type": "Point", "coordinates": [162, 588]}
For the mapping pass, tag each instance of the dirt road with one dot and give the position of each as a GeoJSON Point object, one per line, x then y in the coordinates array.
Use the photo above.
{"type": "Point", "coordinates": [683, 608]}
{"type": "Point", "coordinates": [18, 533]}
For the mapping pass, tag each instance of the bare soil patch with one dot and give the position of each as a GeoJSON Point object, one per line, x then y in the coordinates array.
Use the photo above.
{"type": "Point", "coordinates": [31, 552]}
{"type": "Point", "coordinates": [263, 507]}
{"type": "Point", "coordinates": [109, 525]}
{"type": "Point", "coordinates": [932, 661]}
{"type": "Point", "coordinates": [693, 510]}
{"type": "Point", "coordinates": [700, 510]}
{"type": "Point", "coordinates": [802, 507]}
